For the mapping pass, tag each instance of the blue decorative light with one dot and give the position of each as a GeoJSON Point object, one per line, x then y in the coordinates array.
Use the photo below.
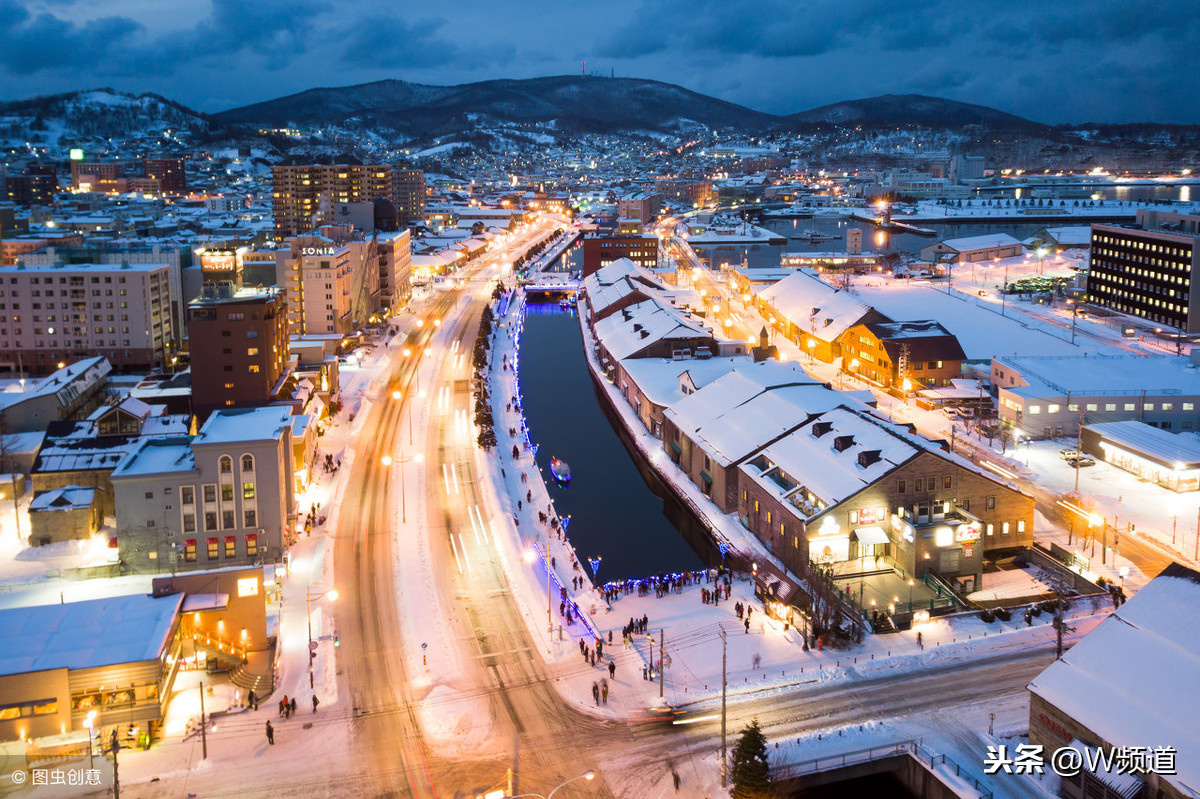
{"type": "Point", "coordinates": [594, 562]}
{"type": "Point", "coordinates": [723, 546]}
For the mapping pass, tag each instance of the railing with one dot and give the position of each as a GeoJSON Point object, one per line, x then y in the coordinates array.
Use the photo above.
{"type": "Point", "coordinates": [929, 759]}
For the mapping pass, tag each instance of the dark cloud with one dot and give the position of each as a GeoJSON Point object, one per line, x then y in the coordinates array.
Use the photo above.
{"type": "Point", "coordinates": [1108, 60]}
{"type": "Point", "coordinates": [35, 43]}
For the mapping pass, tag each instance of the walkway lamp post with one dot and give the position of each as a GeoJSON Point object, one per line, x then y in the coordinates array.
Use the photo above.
{"type": "Point", "coordinates": [587, 775]}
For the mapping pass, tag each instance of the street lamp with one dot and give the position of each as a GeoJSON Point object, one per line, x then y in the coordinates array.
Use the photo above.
{"type": "Point", "coordinates": [587, 775]}
{"type": "Point", "coordinates": [332, 594]}
{"type": "Point", "coordinates": [910, 588]}
{"type": "Point", "coordinates": [388, 460]}
{"type": "Point", "coordinates": [529, 557]}
{"type": "Point", "coordinates": [90, 724]}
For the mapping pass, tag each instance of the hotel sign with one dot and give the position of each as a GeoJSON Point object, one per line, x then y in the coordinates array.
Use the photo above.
{"type": "Point", "coordinates": [224, 262]}
{"type": "Point", "coordinates": [318, 250]}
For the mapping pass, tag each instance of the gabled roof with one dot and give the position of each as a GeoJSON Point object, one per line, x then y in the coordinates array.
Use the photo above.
{"type": "Point", "coordinates": [67, 498]}
{"type": "Point", "coordinates": [926, 340]}
{"type": "Point", "coordinates": [815, 306]}
{"type": "Point", "coordinates": [636, 328]}
{"type": "Point", "coordinates": [985, 242]}
{"type": "Point", "coordinates": [736, 415]}
{"type": "Point", "coordinates": [1144, 661]}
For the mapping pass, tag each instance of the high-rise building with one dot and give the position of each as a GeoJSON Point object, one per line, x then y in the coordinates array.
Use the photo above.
{"type": "Point", "coordinates": [61, 313]}
{"type": "Point", "coordinates": [305, 196]}
{"type": "Point", "coordinates": [408, 194]}
{"type": "Point", "coordinates": [1148, 271]}
{"type": "Point", "coordinates": [169, 174]}
{"type": "Point", "coordinates": [29, 190]}
{"type": "Point", "coordinates": [238, 339]}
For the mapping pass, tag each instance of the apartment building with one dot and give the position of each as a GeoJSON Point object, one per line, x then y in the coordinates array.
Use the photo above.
{"type": "Point", "coordinates": [408, 195]}
{"type": "Point", "coordinates": [53, 314]}
{"type": "Point", "coordinates": [305, 196]}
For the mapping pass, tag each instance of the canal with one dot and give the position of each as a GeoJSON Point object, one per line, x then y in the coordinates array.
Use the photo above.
{"type": "Point", "coordinates": [615, 513]}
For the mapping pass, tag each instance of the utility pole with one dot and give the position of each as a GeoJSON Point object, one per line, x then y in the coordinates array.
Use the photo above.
{"type": "Point", "coordinates": [116, 747]}
{"type": "Point", "coordinates": [1078, 446]}
{"type": "Point", "coordinates": [203, 728]}
{"type": "Point", "coordinates": [661, 660]}
{"type": "Point", "coordinates": [724, 685]}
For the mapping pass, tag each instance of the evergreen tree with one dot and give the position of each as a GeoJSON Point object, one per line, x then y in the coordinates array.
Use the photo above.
{"type": "Point", "coordinates": [750, 772]}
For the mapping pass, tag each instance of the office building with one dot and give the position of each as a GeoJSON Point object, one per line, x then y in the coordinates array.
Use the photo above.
{"type": "Point", "coordinates": [305, 196]}
{"type": "Point", "coordinates": [61, 313]}
{"type": "Point", "coordinates": [1148, 271]}
{"type": "Point", "coordinates": [600, 251]}
{"type": "Point", "coordinates": [239, 347]}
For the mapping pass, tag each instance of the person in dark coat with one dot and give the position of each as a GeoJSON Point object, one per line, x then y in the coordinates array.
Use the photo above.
{"type": "Point", "coordinates": [270, 733]}
{"type": "Point", "coordinates": [293, 705]}
{"type": "Point", "coordinates": [315, 703]}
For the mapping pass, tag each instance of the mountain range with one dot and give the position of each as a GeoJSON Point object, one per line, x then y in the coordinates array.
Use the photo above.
{"type": "Point", "coordinates": [589, 103]}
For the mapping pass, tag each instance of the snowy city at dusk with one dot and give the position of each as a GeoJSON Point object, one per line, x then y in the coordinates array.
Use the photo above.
{"type": "Point", "coordinates": [634, 401]}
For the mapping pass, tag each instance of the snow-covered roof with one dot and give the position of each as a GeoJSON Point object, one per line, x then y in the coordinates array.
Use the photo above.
{"type": "Point", "coordinates": [232, 425]}
{"type": "Point", "coordinates": [156, 456]}
{"type": "Point", "coordinates": [984, 242]}
{"type": "Point", "coordinates": [1131, 680]}
{"type": "Point", "coordinates": [738, 413]}
{"type": "Point", "coordinates": [67, 498]}
{"type": "Point", "coordinates": [814, 305]}
{"type": "Point", "coordinates": [1079, 236]}
{"type": "Point", "coordinates": [834, 475]}
{"type": "Point", "coordinates": [1084, 375]}
{"type": "Point", "coordinates": [638, 326]}
{"type": "Point", "coordinates": [1151, 441]}
{"type": "Point", "coordinates": [83, 635]}
{"type": "Point", "coordinates": [68, 382]}
{"type": "Point", "coordinates": [661, 380]}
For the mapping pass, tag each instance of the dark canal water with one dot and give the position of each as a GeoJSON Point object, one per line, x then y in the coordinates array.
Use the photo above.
{"type": "Point", "coordinates": [614, 512]}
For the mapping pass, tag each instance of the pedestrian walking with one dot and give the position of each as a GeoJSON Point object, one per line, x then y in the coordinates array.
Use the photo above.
{"type": "Point", "coordinates": [675, 779]}
{"type": "Point", "coordinates": [315, 703]}
{"type": "Point", "coordinates": [596, 693]}
{"type": "Point", "coordinates": [293, 705]}
{"type": "Point", "coordinates": [604, 691]}
{"type": "Point", "coordinates": [250, 700]}
{"type": "Point", "coordinates": [270, 733]}
{"type": "Point", "coordinates": [612, 669]}
{"type": "Point", "coordinates": [282, 705]}
{"type": "Point", "coordinates": [747, 625]}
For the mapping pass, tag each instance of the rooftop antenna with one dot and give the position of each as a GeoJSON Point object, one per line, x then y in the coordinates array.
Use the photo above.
{"type": "Point", "coordinates": [583, 68]}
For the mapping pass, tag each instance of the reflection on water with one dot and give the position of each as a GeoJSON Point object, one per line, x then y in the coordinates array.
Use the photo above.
{"type": "Point", "coordinates": [614, 514]}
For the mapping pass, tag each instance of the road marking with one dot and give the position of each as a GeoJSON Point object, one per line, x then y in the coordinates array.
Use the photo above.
{"type": "Point", "coordinates": [456, 560]}
{"type": "Point", "coordinates": [464, 551]}
{"type": "Point", "coordinates": [479, 536]}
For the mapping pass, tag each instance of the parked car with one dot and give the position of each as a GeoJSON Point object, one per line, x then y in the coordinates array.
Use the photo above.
{"type": "Point", "coordinates": [1067, 454]}
{"type": "Point", "coordinates": [1081, 462]}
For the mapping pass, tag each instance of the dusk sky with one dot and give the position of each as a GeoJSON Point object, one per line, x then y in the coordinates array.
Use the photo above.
{"type": "Point", "coordinates": [1097, 60]}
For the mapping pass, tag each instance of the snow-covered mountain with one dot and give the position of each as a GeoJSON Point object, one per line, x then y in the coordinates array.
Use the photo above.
{"type": "Point", "coordinates": [99, 114]}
